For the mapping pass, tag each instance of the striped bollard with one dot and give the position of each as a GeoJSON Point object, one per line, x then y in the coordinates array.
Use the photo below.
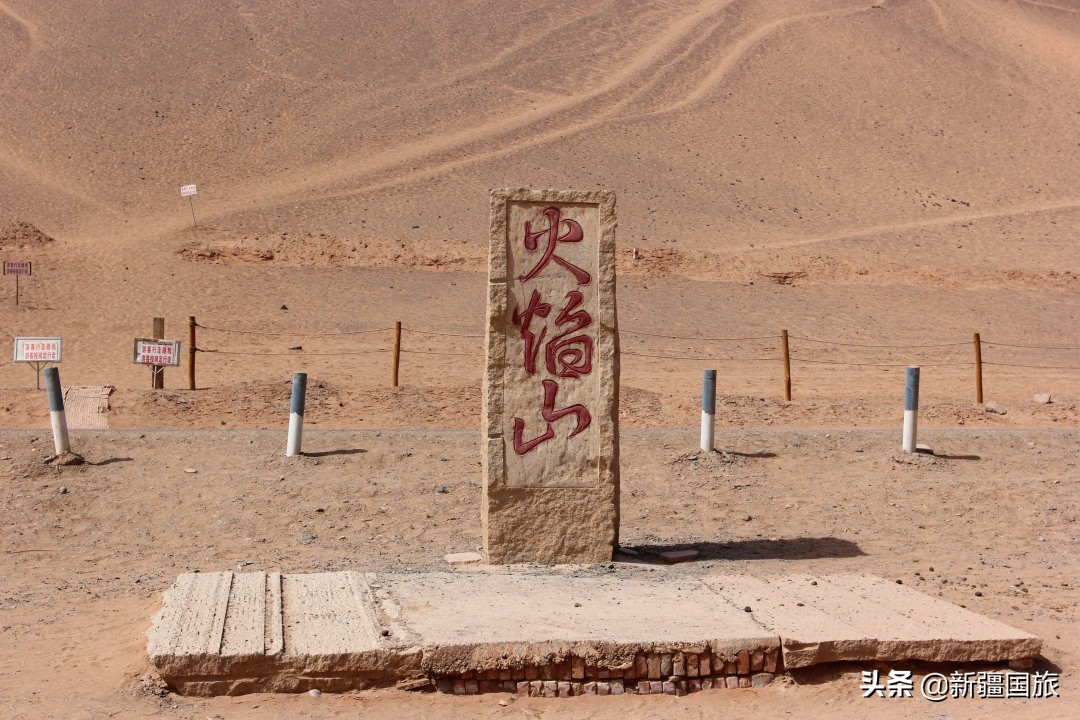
{"type": "Point", "coordinates": [911, 407]}
{"type": "Point", "coordinates": [296, 414]}
{"type": "Point", "coordinates": [708, 410]}
{"type": "Point", "coordinates": [56, 411]}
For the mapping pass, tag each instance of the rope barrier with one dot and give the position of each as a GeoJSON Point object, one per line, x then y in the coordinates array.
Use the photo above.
{"type": "Point", "coordinates": [292, 334]}
{"type": "Point", "coordinates": [292, 353]}
{"type": "Point", "coordinates": [639, 332]}
{"type": "Point", "coordinates": [1028, 347]}
{"type": "Point", "coordinates": [1044, 367]}
{"type": "Point", "coordinates": [442, 334]}
{"type": "Point", "coordinates": [708, 359]}
{"type": "Point", "coordinates": [830, 342]}
{"type": "Point", "coordinates": [662, 354]}
{"type": "Point", "coordinates": [837, 362]}
{"type": "Point", "coordinates": [697, 337]}
{"type": "Point", "coordinates": [425, 352]}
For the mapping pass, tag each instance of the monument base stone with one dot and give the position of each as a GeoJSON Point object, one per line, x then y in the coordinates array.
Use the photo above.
{"type": "Point", "coordinates": [553, 526]}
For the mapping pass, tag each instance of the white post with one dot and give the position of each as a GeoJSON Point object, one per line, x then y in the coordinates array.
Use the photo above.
{"type": "Point", "coordinates": [911, 408]}
{"type": "Point", "coordinates": [296, 414]}
{"type": "Point", "coordinates": [56, 411]}
{"type": "Point", "coordinates": [708, 410]}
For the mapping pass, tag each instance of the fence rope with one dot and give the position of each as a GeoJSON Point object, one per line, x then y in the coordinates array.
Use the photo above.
{"type": "Point", "coordinates": [709, 359]}
{"type": "Point", "coordinates": [291, 353]}
{"type": "Point", "coordinates": [1044, 367]}
{"type": "Point", "coordinates": [837, 362]}
{"type": "Point", "coordinates": [697, 337]}
{"type": "Point", "coordinates": [1028, 347]}
{"type": "Point", "coordinates": [831, 342]}
{"type": "Point", "coordinates": [428, 352]}
{"type": "Point", "coordinates": [292, 334]}
{"type": "Point", "coordinates": [441, 334]}
{"type": "Point", "coordinates": [659, 355]}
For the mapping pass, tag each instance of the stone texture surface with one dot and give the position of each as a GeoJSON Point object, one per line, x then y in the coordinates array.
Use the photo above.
{"type": "Point", "coordinates": [550, 410]}
{"type": "Point", "coordinates": [496, 620]}
{"type": "Point", "coordinates": [545, 635]}
{"type": "Point", "coordinates": [225, 633]}
{"type": "Point", "coordinates": [827, 618]}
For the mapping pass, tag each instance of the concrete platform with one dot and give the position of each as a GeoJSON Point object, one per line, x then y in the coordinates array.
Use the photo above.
{"type": "Point", "coordinates": [845, 617]}
{"type": "Point", "coordinates": [546, 635]}
{"type": "Point", "coordinates": [482, 620]}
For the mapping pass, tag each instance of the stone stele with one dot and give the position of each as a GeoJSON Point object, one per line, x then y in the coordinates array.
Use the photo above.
{"type": "Point", "coordinates": [551, 389]}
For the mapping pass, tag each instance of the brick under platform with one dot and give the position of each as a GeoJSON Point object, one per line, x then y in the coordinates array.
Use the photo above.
{"type": "Point", "coordinates": [546, 635]}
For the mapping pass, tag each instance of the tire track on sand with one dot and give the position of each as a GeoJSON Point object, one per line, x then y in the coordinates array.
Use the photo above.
{"type": "Point", "coordinates": [1050, 6]}
{"type": "Point", "coordinates": [714, 78]}
{"type": "Point", "coordinates": [870, 230]}
{"type": "Point", "coordinates": [30, 27]}
{"type": "Point", "coordinates": [671, 39]}
{"type": "Point", "coordinates": [651, 63]}
{"type": "Point", "coordinates": [33, 34]}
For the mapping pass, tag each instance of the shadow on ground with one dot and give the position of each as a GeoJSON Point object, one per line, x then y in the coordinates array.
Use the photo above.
{"type": "Point", "coordinates": [110, 461]}
{"type": "Point", "coordinates": [783, 549]}
{"type": "Point", "coordinates": [328, 453]}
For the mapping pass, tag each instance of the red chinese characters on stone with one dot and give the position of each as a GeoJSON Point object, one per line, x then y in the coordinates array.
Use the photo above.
{"type": "Point", "coordinates": [536, 309]}
{"type": "Point", "coordinates": [566, 355]}
{"type": "Point", "coordinates": [550, 415]}
{"type": "Point", "coordinates": [573, 234]}
{"type": "Point", "coordinates": [567, 349]}
{"type": "Point", "coordinates": [569, 355]}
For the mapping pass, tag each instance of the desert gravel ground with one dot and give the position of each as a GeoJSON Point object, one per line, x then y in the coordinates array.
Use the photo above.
{"type": "Point", "coordinates": [989, 522]}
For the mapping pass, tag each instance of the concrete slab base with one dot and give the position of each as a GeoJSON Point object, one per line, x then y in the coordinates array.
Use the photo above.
{"type": "Point", "coordinates": [843, 617]}
{"type": "Point", "coordinates": [545, 635]}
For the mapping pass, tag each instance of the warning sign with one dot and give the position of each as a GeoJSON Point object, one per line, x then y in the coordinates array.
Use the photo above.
{"type": "Point", "coordinates": [157, 352]}
{"type": "Point", "coordinates": [38, 349]}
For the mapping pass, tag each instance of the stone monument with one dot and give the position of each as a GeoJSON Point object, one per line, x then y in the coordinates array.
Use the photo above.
{"type": "Point", "coordinates": [551, 390]}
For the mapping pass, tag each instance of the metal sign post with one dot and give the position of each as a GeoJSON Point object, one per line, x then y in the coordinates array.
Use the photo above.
{"type": "Point", "coordinates": [158, 354]}
{"type": "Point", "coordinates": [189, 192]}
{"type": "Point", "coordinates": [16, 268]}
{"type": "Point", "coordinates": [38, 352]}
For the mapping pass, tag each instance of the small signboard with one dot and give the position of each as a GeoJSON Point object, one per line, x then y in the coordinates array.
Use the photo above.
{"type": "Point", "coordinates": [186, 190]}
{"type": "Point", "coordinates": [159, 353]}
{"type": "Point", "coordinates": [16, 267]}
{"type": "Point", "coordinates": [38, 349]}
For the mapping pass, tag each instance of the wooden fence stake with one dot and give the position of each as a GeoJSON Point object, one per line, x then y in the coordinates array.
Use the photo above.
{"type": "Point", "coordinates": [978, 368]}
{"type": "Point", "coordinates": [787, 365]}
{"type": "Point", "coordinates": [191, 352]}
{"type": "Point", "coordinates": [397, 353]}
{"type": "Point", "coordinates": [158, 376]}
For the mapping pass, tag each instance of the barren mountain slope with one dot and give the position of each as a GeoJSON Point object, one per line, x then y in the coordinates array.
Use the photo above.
{"type": "Point", "coordinates": [911, 165]}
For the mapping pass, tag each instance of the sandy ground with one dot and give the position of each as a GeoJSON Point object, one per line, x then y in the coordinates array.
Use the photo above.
{"type": "Point", "coordinates": [898, 173]}
{"type": "Point", "coordinates": [990, 523]}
